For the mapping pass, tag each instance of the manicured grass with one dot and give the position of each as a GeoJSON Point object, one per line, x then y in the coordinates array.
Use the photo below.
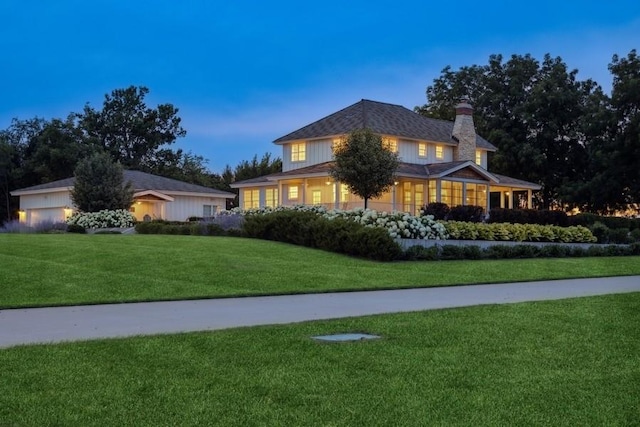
{"type": "Point", "coordinates": [41, 269]}
{"type": "Point", "coordinates": [570, 362]}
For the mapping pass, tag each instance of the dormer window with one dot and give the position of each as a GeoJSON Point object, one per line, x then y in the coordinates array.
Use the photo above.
{"type": "Point", "coordinates": [422, 149]}
{"type": "Point", "coordinates": [298, 152]}
{"type": "Point", "coordinates": [390, 144]}
{"type": "Point", "coordinates": [478, 157]}
{"type": "Point", "coordinates": [439, 152]}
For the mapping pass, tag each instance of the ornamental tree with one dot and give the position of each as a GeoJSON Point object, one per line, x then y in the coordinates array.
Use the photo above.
{"type": "Point", "coordinates": [364, 164]}
{"type": "Point", "coordinates": [99, 184]}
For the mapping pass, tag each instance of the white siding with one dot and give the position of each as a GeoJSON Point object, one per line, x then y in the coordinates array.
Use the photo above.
{"type": "Point", "coordinates": [316, 152]}
{"type": "Point", "coordinates": [59, 199]}
{"type": "Point", "coordinates": [185, 206]}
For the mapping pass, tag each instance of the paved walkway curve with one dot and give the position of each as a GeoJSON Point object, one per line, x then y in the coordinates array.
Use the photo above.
{"type": "Point", "coordinates": [56, 324]}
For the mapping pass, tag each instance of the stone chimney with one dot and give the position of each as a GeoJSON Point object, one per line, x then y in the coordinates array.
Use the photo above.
{"type": "Point", "coordinates": [464, 132]}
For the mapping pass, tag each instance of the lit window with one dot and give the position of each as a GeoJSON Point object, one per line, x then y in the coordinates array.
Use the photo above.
{"type": "Point", "coordinates": [432, 191]}
{"type": "Point", "coordinates": [478, 157]}
{"type": "Point", "coordinates": [344, 193]}
{"type": "Point", "coordinates": [316, 197]}
{"type": "Point", "coordinates": [298, 152]}
{"type": "Point", "coordinates": [406, 199]}
{"type": "Point", "coordinates": [251, 199]}
{"type": "Point", "coordinates": [422, 149]}
{"type": "Point", "coordinates": [337, 144]}
{"type": "Point", "coordinates": [293, 192]}
{"type": "Point", "coordinates": [271, 197]}
{"type": "Point", "coordinates": [419, 197]}
{"type": "Point", "coordinates": [390, 144]}
{"type": "Point", "coordinates": [439, 152]}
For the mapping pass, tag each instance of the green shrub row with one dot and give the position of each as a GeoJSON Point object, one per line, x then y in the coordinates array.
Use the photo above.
{"type": "Point", "coordinates": [553, 217]}
{"type": "Point", "coordinates": [459, 230]}
{"type": "Point", "coordinates": [192, 229]}
{"type": "Point", "coordinates": [605, 234]}
{"type": "Point", "coordinates": [336, 235]}
{"type": "Point", "coordinates": [471, 252]}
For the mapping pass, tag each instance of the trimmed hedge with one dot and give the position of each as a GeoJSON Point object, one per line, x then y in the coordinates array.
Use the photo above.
{"type": "Point", "coordinates": [454, 252]}
{"type": "Point", "coordinates": [529, 216]}
{"type": "Point", "coordinates": [336, 235]}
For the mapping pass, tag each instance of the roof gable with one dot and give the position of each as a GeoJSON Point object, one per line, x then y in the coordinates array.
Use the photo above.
{"type": "Point", "coordinates": [382, 118]}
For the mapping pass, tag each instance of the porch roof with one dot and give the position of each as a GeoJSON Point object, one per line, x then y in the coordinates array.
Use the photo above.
{"type": "Point", "coordinates": [407, 170]}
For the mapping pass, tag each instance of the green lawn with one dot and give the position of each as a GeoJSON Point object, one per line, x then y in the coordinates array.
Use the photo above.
{"type": "Point", "coordinates": [61, 269]}
{"type": "Point", "coordinates": [571, 362]}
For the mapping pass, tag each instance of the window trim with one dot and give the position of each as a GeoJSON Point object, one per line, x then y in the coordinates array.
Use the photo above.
{"type": "Point", "coordinates": [299, 152]}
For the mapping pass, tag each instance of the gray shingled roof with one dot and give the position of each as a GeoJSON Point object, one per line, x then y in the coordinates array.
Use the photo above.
{"type": "Point", "coordinates": [382, 118]}
{"type": "Point", "coordinates": [141, 181]}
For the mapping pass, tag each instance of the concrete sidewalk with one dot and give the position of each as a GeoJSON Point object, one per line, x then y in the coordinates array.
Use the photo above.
{"type": "Point", "coordinates": [56, 324]}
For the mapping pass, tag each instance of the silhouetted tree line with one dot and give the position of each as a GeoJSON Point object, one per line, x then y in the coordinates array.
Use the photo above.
{"type": "Point", "coordinates": [36, 151]}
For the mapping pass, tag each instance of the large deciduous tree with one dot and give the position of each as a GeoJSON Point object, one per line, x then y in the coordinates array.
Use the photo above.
{"type": "Point", "coordinates": [625, 100]}
{"type": "Point", "coordinates": [99, 184]}
{"type": "Point", "coordinates": [364, 164]}
{"type": "Point", "coordinates": [533, 112]}
{"type": "Point", "coordinates": [128, 130]}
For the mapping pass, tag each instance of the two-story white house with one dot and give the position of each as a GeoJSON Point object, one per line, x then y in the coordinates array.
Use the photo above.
{"type": "Point", "coordinates": [440, 161]}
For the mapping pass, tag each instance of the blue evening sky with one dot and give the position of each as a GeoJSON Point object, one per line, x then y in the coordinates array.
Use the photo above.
{"type": "Point", "coordinates": [243, 73]}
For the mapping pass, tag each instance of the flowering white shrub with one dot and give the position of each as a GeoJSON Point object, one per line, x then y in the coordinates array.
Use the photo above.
{"type": "Point", "coordinates": [119, 218]}
{"type": "Point", "coordinates": [398, 224]}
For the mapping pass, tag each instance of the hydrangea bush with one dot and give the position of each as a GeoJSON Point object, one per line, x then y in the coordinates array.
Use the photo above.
{"type": "Point", "coordinates": [119, 218]}
{"type": "Point", "coordinates": [398, 224]}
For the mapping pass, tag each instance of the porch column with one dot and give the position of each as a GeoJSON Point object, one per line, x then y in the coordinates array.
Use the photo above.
{"type": "Point", "coordinates": [464, 193]}
{"type": "Point", "coordinates": [529, 199]}
{"type": "Point", "coordinates": [488, 199]}
{"type": "Point", "coordinates": [393, 196]}
{"type": "Point", "coordinates": [336, 191]}
{"type": "Point", "coordinates": [438, 191]}
{"type": "Point", "coordinates": [304, 191]}
{"type": "Point", "coordinates": [279, 193]}
{"type": "Point", "coordinates": [510, 198]}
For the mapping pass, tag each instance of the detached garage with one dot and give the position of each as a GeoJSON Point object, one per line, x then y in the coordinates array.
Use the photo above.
{"type": "Point", "coordinates": [155, 197]}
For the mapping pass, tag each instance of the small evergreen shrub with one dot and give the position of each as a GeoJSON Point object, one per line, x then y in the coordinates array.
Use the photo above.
{"type": "Point", "coordinates": [75, 228]}
{"type": "Point", "coordinates": [466, 213]}
{"type": "Point", "coordinates": [600, 232]}
{"type": "Point", "coordinates": [619, 235]}
{"type": "Point", "coordinates": [438, 210]}
{"type": "Point", "coordinates": [635, 235]}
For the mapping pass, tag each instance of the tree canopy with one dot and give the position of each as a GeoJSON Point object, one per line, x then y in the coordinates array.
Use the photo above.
{"type": "Point", "coordinates": [364, 164]}
{"type": "Point", "coordinates": [128, 130]}
{"type": "Point", "coordinates": [552, 128]}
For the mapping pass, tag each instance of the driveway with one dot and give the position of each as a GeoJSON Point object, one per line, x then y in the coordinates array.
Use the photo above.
{"type": "Point", "coordinates": [56, 324]}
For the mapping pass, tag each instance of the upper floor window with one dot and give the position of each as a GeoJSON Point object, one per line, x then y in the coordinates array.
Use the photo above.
{"type": "Point", "coordinates": [422, 149]}
{"type": "Point", "coordinates": [478, 157]}
{"type": "Point", "coordinates": [298, 152]}
{"type": "Point", "coordinates": [390, 144]}
{"type": "Point", "coordinates": [337, 144]}
{"type": "Point", "coordinates": [439, 152]}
